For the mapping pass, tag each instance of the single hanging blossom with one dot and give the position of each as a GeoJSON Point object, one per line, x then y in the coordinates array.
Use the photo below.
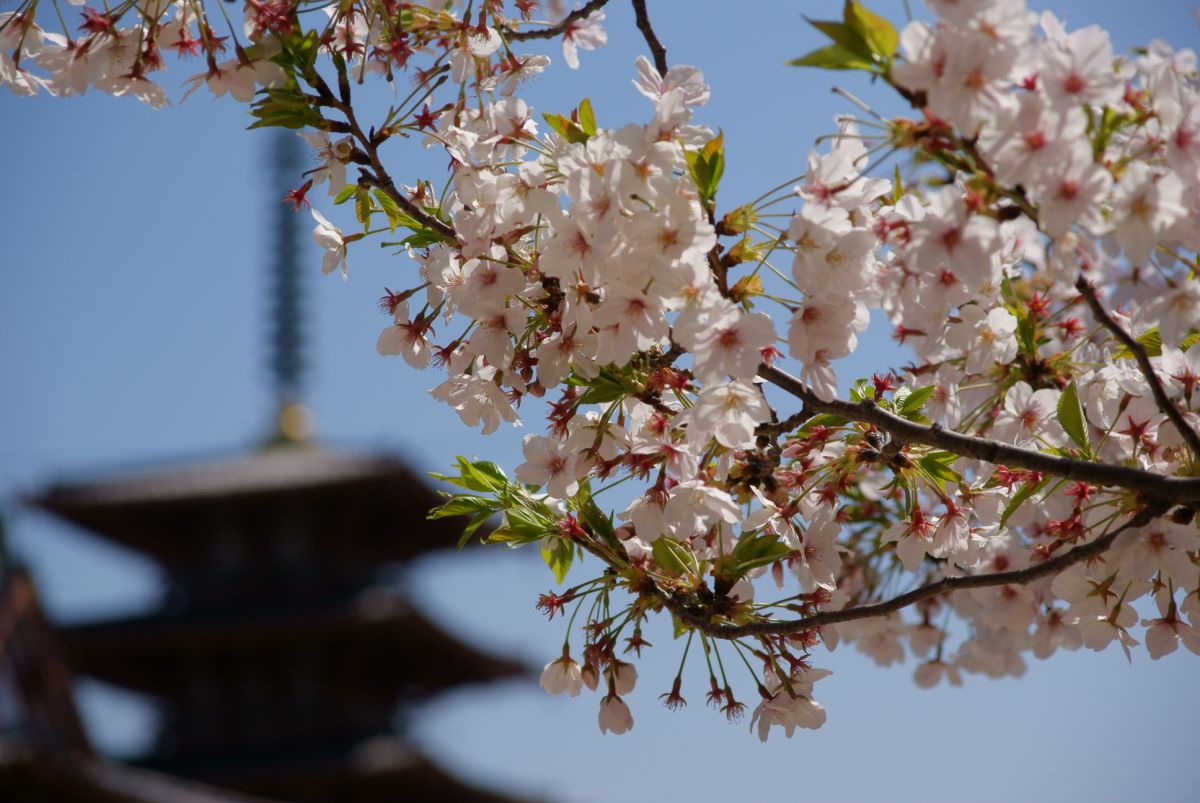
{"type": "Point", "coordinates": [562, 675]}
{"type": "Point", "coordinates": [614, 715]}
{"type": "Point", "coordinates": [330, 237]}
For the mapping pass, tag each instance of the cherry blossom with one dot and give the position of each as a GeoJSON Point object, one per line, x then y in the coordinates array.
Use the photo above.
{"type": "Point", "coordinates": [615, 716]}
{"type": "Point", "coordinates": [1027, 477]}
{"type": "Point", "coordinates": [562, 675]}
{"type": "Point", "coordinates": [330, 238]}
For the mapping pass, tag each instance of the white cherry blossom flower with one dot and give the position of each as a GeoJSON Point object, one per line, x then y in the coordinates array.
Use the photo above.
{"type": "Point", "coordinates": [984, 337]}
{"type": "Point", "coordinates": [1145, 205]}
{"type": "Point", "coordinates": [562, 675]}
{"type": "Point", "coordinates": [333, 158]}
{"type": "Point", "coordinates": [688, 81]}
{"type": "Point", "coordinates": [1027, 414]}
{"type": "Point", "coordinates": [732, 344]}
{"type": "Point", "coordinates": [550, 464]}
{"type": "Point", "coordinates": [729, 412]}
{"type": "Point", "coordinates": [823, 329]}
{"type": "Point", "coordinates": [330, 238]}
{"type": "Point", "coordinates": [694, 507]}
{"type": "Point", "coordinates": [477, 399]}
{"type": "Point", "coordinates": [1077, 70]}
{"type": "Point", "coordinates": [583, 34]}
{"type": "Point", "coordinates": [615, 716]}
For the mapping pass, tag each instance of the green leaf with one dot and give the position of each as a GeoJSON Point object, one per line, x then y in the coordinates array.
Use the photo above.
{"type": "Point", "coordinates": [346, 194]}
{"type": "Point", "coordinates": [394, 215]}
{"type": "Point", "coordinates": [1026, 332]}
{"type": "Point", "coordinates": [565, 128]}
{"type": "Point", "coordinates": [879, 34]}
{"type": "Point", "coordinates": [1070, 416]}
{"type": "Point", "coordinates": [363, 206]}
{"type": "Point", "coordinates": [843, 36]}
{"type": "Point", "coordinates": [937, 466]}
{"type": "Point", "coordinates": [824, 420]}
{"type": "Point", "coordinates": [1151, 341]}
{"type": "Point", "coordinates": [558, 557]}
{"type": "Point", "coordinates": [478, 476]}
{"type": "Point", "coordinates": [757, 550]}
{"type": "Point", "coordinates": [861, 390]}
{"type": "Point", "coordinates": [672, 558]}
{"type": "Point", "coordinates": [527, 522]}
{"type": "Point", "coordinates": [284, 106]}
{"type": "Point", "coordinates": [1027, 490]}
{"type": "Point", "coordinates": [461, 505]}
{"type": "Point", "coordinates": [914, 402]}
{"type": "Point", "coordinates": [422, 238]}
{"type": "Point", "coordinates": [604, 388]}
{"type": "Point", "coordinates": [587, 118]}
{"type": "Point", "coordinates": [474, 524]}
{"type": "Point", "coordinates": [833, 57]}
{"type": "Point", "coordinates": [706, 167]}
{"type": "Point", "coordinates": [597, 521]}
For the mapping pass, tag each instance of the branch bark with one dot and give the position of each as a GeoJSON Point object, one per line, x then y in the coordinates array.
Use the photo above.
{"type": "Point", "coordinates": [555, 30]}
{"type": "Point", "coordinates": [652, 41]}
{"type": "Point", "coordinates": [678, 606]}
{"type": "Point", "coordinates": [1147, 483]}
{"type": "Point", "coordinates": [1168, 407]}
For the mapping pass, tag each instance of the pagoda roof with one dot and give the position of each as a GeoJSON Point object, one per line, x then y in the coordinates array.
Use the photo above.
{"type": "Point", "coordinates": [160, 511]}
{"type": "Point", "coordinates": [29, 776]}
{"type": "Point", "coordinates": [373, 632]}
{"type": "Point", "coordinates": [283, 468]}
{"type": "Point", "coordinates": [385, 768]}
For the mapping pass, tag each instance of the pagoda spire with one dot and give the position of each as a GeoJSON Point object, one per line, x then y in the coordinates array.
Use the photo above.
{"type": "Point", "coordinates": [292, 420]}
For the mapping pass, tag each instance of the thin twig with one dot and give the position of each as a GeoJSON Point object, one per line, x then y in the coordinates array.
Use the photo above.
{"type": "Point", "coordinates": [1168, 408]}
{"type": "Point", "coordinates": [554, 30]}
{"type": "Point", "coordinates": [1147, 483]}
{"type": "Point", "coordinates": [652, 41]}
{"type": "Point", "coordinates": [384, 182]}
{"type": "Point", "coordinates": [369, 146]}
{"type": "Point", "coordinates": [688, 615]}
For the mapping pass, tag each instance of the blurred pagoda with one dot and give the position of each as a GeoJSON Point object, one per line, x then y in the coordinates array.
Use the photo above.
{"type": "Point", "coordinates": [280, 657]}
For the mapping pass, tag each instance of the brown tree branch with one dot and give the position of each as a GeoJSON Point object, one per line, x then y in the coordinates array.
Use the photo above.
{"type": "Point", "coordinates": [786, 425]}
{"type": "Point", "coordinates": [370, 148]}
{"type": "Point", "coordinates": [1168, 408]}
{"type": "Point", "coordinates": [652, 41]}
{"type": "Point", "coordinates": [1147, 483]}
{"type": "Point", "coordinates": [688, 615]}
{"type": "Point", "coordinates": [554, 30]}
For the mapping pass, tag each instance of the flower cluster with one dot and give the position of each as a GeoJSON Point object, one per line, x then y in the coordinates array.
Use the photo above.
{"type": "Point", "coordinates": [1027, 483]}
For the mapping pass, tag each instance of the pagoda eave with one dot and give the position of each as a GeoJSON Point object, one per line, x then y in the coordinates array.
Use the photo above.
{"type": "Point", "coordinates": [380, 770]}
{"type": "Point", "coordinates": [174, 514]}
{"type": "Point", "coordinates": [371, 632]}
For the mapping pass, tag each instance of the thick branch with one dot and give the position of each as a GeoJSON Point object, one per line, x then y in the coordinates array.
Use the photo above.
{"type": "Point", "coordinates": [1080, 553]}
{"type": "Point", "coordinates": [1148, 483]}
{"type": "Point", "coordinates": [652, 41]}
{"type": "Point", "coordinates": [1168, 408]}
{"type": "Point", "coordinates": [555, 30]}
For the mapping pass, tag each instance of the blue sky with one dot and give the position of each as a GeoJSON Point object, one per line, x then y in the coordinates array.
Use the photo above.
{"type": "Point", "coordinates": [132, 332]}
